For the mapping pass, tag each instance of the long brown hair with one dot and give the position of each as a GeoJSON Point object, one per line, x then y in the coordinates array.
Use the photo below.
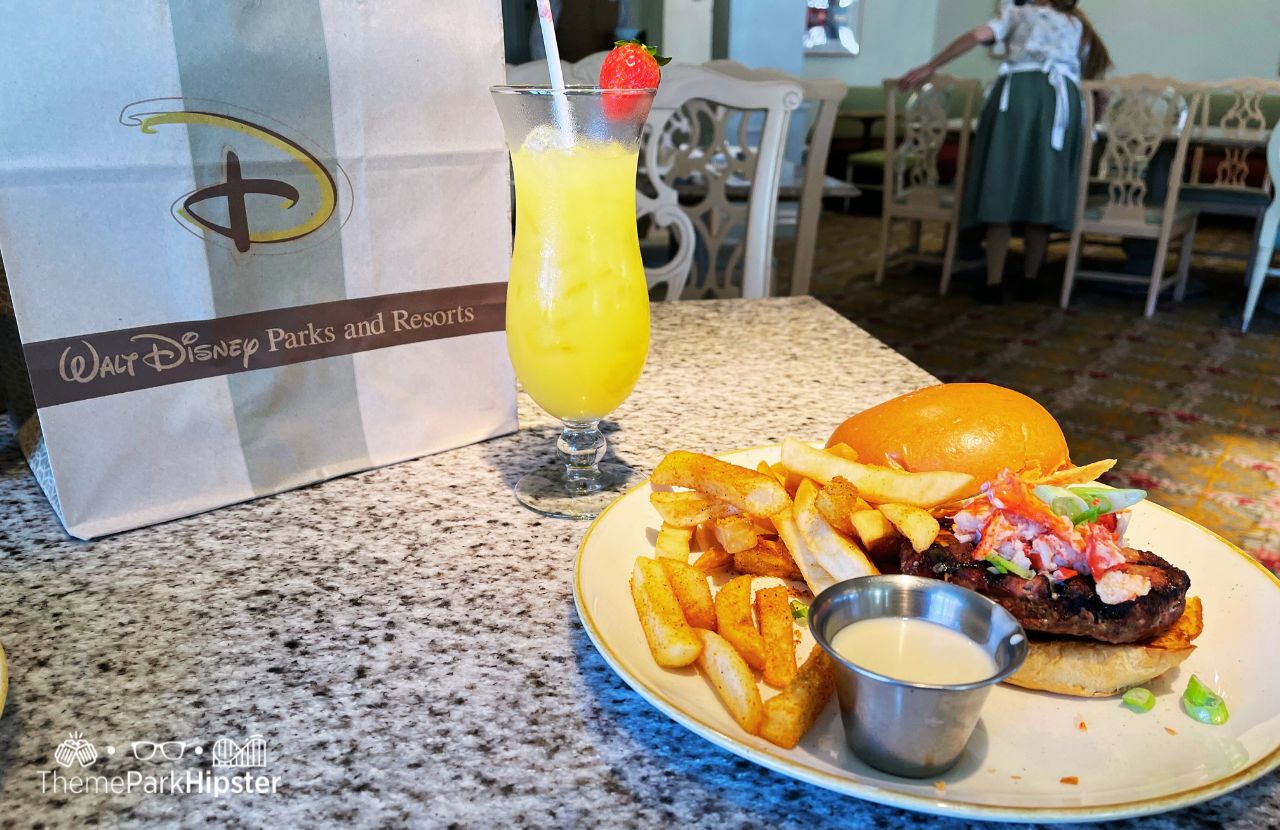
{"type": "Point", "coordinates": [1094, 58]}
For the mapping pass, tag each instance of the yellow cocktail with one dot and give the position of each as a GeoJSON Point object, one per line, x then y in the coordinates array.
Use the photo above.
{"type": "Point", "coordinates": [577, 302]}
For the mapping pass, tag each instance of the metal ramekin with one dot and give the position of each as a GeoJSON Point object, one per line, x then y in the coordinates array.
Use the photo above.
{"type": "Point", "coordinates": [912, 729]}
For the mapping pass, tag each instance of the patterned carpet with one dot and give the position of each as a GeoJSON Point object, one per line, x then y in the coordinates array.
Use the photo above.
{"type": "Point", "coordinates": [1189, 405]}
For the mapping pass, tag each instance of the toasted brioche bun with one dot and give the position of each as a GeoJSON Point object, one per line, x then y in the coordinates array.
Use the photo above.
{"type": "Point", "coordinates": [973, 428]}
{"type": "Point", "coordinates": [1085, 668]}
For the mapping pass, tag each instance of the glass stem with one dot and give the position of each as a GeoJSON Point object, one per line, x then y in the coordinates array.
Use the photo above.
{"type": "Point", "coordinates": [581, 447]}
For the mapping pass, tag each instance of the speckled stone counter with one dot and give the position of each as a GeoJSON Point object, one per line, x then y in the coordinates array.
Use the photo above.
{"type": "Point", "coordinates": [405, 640]}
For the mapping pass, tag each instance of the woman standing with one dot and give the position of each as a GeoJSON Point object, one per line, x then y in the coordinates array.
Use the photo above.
{"type": "Point", "coordinates": [1026, 155]}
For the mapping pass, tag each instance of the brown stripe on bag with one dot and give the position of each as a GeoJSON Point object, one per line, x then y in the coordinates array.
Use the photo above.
{"type": "Point", "coordinates": [111, 362]}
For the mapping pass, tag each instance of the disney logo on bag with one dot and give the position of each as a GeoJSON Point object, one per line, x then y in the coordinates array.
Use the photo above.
{"type": "Point", "coordinates": [84, 364]}
{"type": "Point", "coordinates": [299, 197]}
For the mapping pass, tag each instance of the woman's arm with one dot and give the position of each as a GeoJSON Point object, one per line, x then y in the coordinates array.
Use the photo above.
{"type": "Point", "coordinates": [981, 35]}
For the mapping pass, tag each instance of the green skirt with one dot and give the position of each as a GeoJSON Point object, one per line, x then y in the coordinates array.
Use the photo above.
{"type": "Point", "coordinates": [1015, 176]}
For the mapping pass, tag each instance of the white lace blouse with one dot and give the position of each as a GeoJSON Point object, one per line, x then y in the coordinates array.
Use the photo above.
{"type": "Point", "coordinates": [1040, 35]}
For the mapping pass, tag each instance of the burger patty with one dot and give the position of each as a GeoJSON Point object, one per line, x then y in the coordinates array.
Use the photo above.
{"type": "Point", "coordinates": [1071, 607]}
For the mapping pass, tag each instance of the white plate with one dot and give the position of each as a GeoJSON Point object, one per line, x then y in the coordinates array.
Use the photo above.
{"type": "Point", "coordinates": [1127, 764]}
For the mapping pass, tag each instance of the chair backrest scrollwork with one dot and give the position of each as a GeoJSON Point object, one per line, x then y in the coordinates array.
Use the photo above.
{"type": "Point", "coordinates": [713, 152]}
{"type": "Point", "coordinates": [1232, 124]}
{"type": "Point", "coordinates": [915, 136]}
{"type": "Point", "coordinates": [1138, 114]}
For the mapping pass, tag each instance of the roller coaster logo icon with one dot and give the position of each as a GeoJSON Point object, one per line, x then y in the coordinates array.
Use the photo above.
{"type": "Point", "coordinates": [251, 754]}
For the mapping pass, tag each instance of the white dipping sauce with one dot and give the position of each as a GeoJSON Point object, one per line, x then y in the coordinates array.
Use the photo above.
{"type": "Point", "coordinates": [915, 651]}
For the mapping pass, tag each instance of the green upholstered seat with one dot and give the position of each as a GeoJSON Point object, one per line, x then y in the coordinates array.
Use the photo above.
{"type": "Point", "coordinates": [867, 158]}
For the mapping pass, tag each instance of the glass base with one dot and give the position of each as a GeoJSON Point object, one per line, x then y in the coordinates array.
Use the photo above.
{"type": "Point", "coordinates": [547, 491]}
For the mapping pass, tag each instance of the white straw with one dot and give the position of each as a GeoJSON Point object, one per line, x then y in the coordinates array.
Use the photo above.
{"type": "Point", "coordinates": [559, 101]}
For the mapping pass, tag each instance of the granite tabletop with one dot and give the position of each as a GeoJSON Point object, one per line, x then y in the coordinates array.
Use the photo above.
{"type": "Point", "coordinates": [404, 640]}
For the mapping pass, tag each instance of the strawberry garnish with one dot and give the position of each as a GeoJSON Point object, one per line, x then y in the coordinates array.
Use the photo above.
{"type": "Point", "coordinates": [631, 65]}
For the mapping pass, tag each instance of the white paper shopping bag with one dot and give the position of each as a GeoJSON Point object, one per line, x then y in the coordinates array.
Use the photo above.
{"type": "Point", "coordinates": [248, 245]}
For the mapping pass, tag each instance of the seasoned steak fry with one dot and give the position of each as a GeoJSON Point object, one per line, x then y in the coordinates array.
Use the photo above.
{"type": "Point", "coordinates": [747, 490]}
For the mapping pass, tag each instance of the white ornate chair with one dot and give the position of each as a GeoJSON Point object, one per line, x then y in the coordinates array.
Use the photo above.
{"type": "Point", "coordinates": [1267, 237]}
{"type": "Point", "coordinates": [534, 72]}
{"type": "Point", "coordinates": [824, 96]}
{"type": "Point", "coordinates": [713, 152]}
{"type": "Point", "coordinates": [913, 140]}
{"type": "Point", "coordinates": [1142, 112]}
{"type": "Point", "coordinates": [1232, 124]}
{"type": "Point", "coordinates": [587, 70]}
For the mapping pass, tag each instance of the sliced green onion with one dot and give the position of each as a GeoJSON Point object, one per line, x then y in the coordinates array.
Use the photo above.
{"type": "Point", "coordinates": [799, 612]}
{"type": "Point", "coordinates": [1139, 699]}
{"type": "Point", "coordinates": [1202, 704]}
{"type": "Point", "coordinates": [1068, 507]}
{"type": "Point", "coordinates": [1086, 504]}
{"type": "Point", "coordinates": [1009, 567]}
{"type": "Point", "coordinates": [1088, 516]}
{"type": "Point", "coordinates": [1061, 500]}
{"type": "Point", "coordinates": [1115, 500]}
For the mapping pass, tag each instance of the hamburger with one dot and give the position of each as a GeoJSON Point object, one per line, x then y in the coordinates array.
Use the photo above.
{"type": "Point", "coordinates": [1101, 617]}
{"type": "Point", "coordinates": [974, 428]}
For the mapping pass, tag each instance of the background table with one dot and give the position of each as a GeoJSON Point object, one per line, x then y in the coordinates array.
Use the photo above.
{"type": "Point", "coordinates": [405, 639]}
